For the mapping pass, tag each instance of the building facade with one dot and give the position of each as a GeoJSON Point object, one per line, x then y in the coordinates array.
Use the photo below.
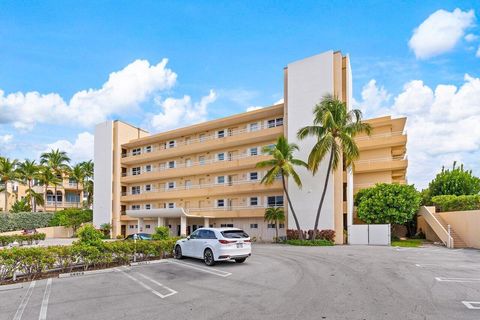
{"type": "Point", "coordinates": [69, 194]}
{"type": "Point", "coordinates": [206, 175]}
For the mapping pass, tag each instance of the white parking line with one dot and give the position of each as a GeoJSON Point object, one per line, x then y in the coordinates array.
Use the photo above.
{"type": "Point", "coordinates": [46, 296]}
{"type": "Point", "coordinates": [158, 294]}
{"type": "Point", "coordinates": [213, 271]}
{"type": "Point", "coordinates": [441, 279]}
{"type": "Point", "coordinates": [23, 303]}
{"type": "Point", "coordinates": [172, 292]}
{"type": "Point", "coordinates": [472, 305]}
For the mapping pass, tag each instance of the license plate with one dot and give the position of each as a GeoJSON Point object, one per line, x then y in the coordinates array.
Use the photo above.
{"type": "Point", "coordinates": [239, 245]}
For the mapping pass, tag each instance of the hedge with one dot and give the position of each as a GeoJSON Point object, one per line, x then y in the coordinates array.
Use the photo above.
{"type": "Point", "coordinates": [456, 203]}
{"type": "Point", "coordinates": [24, 220]}
{"type": "Point", "coordinates": [21, 238]}
{"type": "Point", "coordinates": [310, 243]}
{"type": "Point", "coordinates": [33, 262]}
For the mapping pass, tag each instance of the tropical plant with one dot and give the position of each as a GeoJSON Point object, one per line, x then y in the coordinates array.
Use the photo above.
{"type": "Point", "coordinates": [282, 165]}
{"type": "Point", "coordinates": [88, 181]}
{"type": "Point", "coordinates": [28, 171]}
{"type": "Point", "coordinates": [20, 206]}
{"type": "Point", "coordinates": [334, 128]}
{"type": "Point", "coordinates": [72, 218]}
{"type": "Point", "coordinates": [161, 233]}
{"type": "Point", "coordinates": [77, 174]}
{"type": "Point", "coordinates": [57, 161]}
{"type": "Point", "coordinates": [275, 215]}
{"type": "Point", "coordinates": [47, 177]}
{"type": "Point", "coordinates": [8, 174]}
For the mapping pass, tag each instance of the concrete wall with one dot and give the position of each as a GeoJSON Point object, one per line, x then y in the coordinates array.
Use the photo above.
{"type": "Point", "coordinates": [50, 232]}
{"type": "Point", "coordinates": [466, 224]}
{"type": "Point", "coordinates": [307, 82]}
{"type": "Point", "coordinates": [427, 230]}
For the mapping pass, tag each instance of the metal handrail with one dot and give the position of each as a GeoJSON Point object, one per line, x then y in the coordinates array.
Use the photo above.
{"type": "Point", "coordinates": [429, 216]}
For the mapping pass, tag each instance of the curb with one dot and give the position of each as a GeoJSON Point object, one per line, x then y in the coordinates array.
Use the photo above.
{"type": "Point", "coordinates": [85, 273]}
{"type": "Point", "coordinates": [148, 262]}
{"type": "Point", "coordinates": [11, 287]}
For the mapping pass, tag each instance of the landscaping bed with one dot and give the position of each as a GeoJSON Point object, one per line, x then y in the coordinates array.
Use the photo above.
{"type": "Point", "coordinates": [411, 243]}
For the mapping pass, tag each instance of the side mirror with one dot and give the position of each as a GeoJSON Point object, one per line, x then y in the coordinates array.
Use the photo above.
{"type": "Point", "coordinates": [188, 238]}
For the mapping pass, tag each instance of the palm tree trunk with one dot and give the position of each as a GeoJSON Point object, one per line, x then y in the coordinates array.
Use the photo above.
{"type": "Point", "coordinates": [291, 208]}
{"type": "Point", "coordinates": [55, 198]}
{"type": "Point", "coordinates": [78, 193]}
{"type": "Point", "coordinates": [45, 198]}
{"type": "Point", "coordinates": [276, 230]}
{"type": "Point", "coordinates": [31, 198]}
{"type": "Point", "coordinates": [323, 195]}
{"type": "Point", "coordinates": [6, 196]}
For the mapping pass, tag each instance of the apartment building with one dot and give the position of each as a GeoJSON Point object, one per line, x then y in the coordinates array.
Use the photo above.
{"type": "Point", "coordinates": [206, 175]}
{"type": "Point", "coordinates": [69, 194]}
{"type": "Point", "coordinates": [15, 191]}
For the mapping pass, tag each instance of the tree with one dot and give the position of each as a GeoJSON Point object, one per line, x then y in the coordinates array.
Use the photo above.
{"type": "Point", "coordinates": [334, 129]}
{"type": "Point", "coordinates": [275, 215]}
{"type": "Point", "coordinates": [77, 174]}
{"type": "Point", "coordinates": [48, 178]}
{"type": "Point", "coordinates": [33, 197]}
{"type": "Point", "coordinates": [72, 218]}
{"type": "Point", "coordinates": [28, 171]}
{"type": "Point", "coordinates": [8, 173]}
{"type": "Point", "coordinates": [282, 165]}
{"type": "Point", "coordinates": [57, 161]}
{"type": "Point", "coordinates": [88, 181]}
{"type": "Point", "coordinates": [21, 206]}
{"type": "Point", "coordinates": [387, 203]}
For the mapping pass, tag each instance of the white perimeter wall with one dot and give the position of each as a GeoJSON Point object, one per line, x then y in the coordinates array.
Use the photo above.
{"type": "Point", "coordinates": [103, 171]}
{"type": "Point", "coordinates": [308, 81]}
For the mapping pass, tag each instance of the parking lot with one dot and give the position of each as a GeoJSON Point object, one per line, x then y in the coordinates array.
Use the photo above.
{"type": "Point", "coordinates": [277, 282]}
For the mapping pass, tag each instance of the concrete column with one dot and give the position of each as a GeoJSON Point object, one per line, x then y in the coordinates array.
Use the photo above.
{"type": "Point", "coordinates": [140, 225]}
{"type": "Point", "coordinates": [160, 222]}
{"type": "Point", "coordinates": [206, 222]}
{"type": "Point", "coordinates": [183, 226]}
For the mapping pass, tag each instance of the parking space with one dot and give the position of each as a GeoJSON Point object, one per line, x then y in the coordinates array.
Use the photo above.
{"type": "Point", "coordinates": [277, 282]}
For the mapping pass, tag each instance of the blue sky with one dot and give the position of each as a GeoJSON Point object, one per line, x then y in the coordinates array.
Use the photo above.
{"type": "Point", "coordinates": [237, 49]}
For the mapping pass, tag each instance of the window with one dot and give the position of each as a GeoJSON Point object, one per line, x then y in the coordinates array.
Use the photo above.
{"type": "Point", "coordinates": [254, 201]}
{"type": "Point", "coordinates": [275, 201]}
{"type": "Point", "coordinates": [253, 175]}
{"type": "Point", "coordinates": [171, 185]}
{"type": "Point", "coordinates": [171, 144]}
{"type": "Point", "coordinates": [253, 225]}
{"type": "Point", "coordinates": [188, 184]}
{"type": "Point", "coordinates": [202, 137]}
{"type": "Point", "coordinates": [148, 187]}
{"type": "Point", "coordinates": [221, 179]}
{"type": "Point", "coordinates": [136, 190]}
{"type": "Point", "coordinates": [131, 226]}
{"type": "Point", "coordinates": [220, 156]}
{"type": "Point", "coordinates": [148, 149]}
{"type": "Point", "coordinates": [220, 203]}
{"type": "Point", "coordinates": [220, 133]}
{"type": "Point", "coordinates": [135, 207]}
{"type": "Point", "coordinates": [281, 225]}
{"type": "Point", "coordinates": [271, 123]}
{"type": "Point", "coordinates": [148, 168]}
{"type": "Point", "coordinates": [271, 226]}
{"type": "Point", "coordinates": [148, 206]}
{"type": "Point", "coordinates": [201, 160]}
{"type": "Point", "coordinates": [171, 164]}
{"type": "Point", "coordinates": [234, 234]}
{"type": "Point", "coordinates": [188, 162]}
{"type": "Point", "coordinates": [147, 226]}
{"type": "Point", "coordinates": [275, 122]}
{"type": "Point", "coordinates": [171, 205]}
{"type": "Point", "coordinates": [279, 122]}
{"type": "Point", "coordinates": [254, 151]}
{"type": "Point", "coordinates": [206, 234]}
{"type": "Point", "coordinates": [136, 151]}
{"type": "Point", "coordinates": [254, 126]}
{"type": "Point", "coordinates": [136, 171]}
{"type": "Point", "coordinates": [227, 225]}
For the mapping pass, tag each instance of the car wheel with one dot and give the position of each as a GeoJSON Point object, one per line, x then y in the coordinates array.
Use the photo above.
{"type": "Point", "coordinates": [241, 260]}
{"type": "Point", "coordinates": [208, 257]}
{"type": "Point", "coordinates": [178, 252]}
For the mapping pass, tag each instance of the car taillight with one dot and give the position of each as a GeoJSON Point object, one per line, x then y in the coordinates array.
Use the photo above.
{"type": "Point", "coordinates": [248, 241]}
{"type": "Point", "coordinates": [225, 241]}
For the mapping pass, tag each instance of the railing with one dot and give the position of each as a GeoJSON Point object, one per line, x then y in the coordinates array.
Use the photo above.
{"type": "Point", "coordinates": [61, 204]}
{"type": "Point", "coordinates": [439, 229]}
{"type": "Point", "coordinates": [380, 135]}
{"type": "Point", "coordinates": [192, 164]}
{"type": "Point", "coordinates": [377, 160]}
{"type": "Point", "coordinates": [228, 133]}
{"type": "Point", "coordinates": [225, 208]}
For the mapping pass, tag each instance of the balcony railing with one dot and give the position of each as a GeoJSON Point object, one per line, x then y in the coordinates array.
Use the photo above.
{"type": "Point", "coordinates": [63, 204]}
{"type": "Point", "coordinates": [377, 160]}
{"type": "Point", "coordinates": [228, 133]}
{"type": "Point", "coordinates": [225, 208]}
{"type": "Point", "coordinates": [192, 164]}
{"type": "Point", "coordinates": [380, 135]}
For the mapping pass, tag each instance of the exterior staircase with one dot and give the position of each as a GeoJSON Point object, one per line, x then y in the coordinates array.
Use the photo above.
{"type": "Point", "coordinates": [457, 241]}
{"type": "Point", "coordinates": [440, 227]}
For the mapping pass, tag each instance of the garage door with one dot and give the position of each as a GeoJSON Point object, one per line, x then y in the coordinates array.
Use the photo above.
{"type": "Point", "coordinates": [369, 234]}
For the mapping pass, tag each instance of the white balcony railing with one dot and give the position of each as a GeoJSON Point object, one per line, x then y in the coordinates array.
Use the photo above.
{"type": "Point", "coordinates": [225, 208]}
{"type": "Point", "coordinates": [209, 137]}
{"type": "Point", "coordinates": [380, 135]}
{"type": "Point", "coordinates": [377, 160]}
{"type": "Point", "coordinates": [63, 204]}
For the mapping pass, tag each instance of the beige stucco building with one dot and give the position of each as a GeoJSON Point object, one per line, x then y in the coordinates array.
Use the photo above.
{"type": "Point", "coordinates": [15, 191]}
{"type": "Point", "coordinates": [70, 194]}
{"type": "Point", "coordinates": [206, 175]}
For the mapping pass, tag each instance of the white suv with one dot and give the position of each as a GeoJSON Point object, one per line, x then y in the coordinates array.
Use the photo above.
{"type": "Point", "coordinates": [215, 244]}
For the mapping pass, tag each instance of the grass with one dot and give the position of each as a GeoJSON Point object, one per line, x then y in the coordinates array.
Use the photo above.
{"type": "Point", "coordinates": [309, 243]}
{"type": "Point", "coordinates": [412, 243]}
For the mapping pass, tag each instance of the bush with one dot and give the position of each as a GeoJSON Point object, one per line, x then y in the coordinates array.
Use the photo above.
{"type": "Point", "coordinates": [161, 233]}
{"type": "Point", "coordinates": [456, 181]}
{"type": "Point", "coordinates": [21, 238]}
{"type": "Point", "coordinates": [310, 243]}
{"type": "Point", "coordinates": [24, 220]}
{"type": "Point", "coordinates": [293, 234]}
{"type": "Point", "coordinates": [72, 217]}
{"type": "Point", "coordinates": [119, 237]}
{"type": "Point", "coordinates": [89, 236]}
{"type": "Point", "coordinates": [457, 203]}
{"type": "Point", "coordinates": [323, 234]}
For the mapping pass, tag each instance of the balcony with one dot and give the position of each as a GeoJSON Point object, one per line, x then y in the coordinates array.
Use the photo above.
{"type": "Point", "coordinates": [381, 164]}
{"type": "Point", "coordinates": [51, 204]}
{"type": "Point", "coordinates": [381, 140]}
{"type": "Point", "coordinates": [72, 185]}
{"type": "Point", "coordinates": [204, 190]}
{"type": "Point", "coordinates": [207, 143]}
{"type": "Point", "coordinates": [237, 162]}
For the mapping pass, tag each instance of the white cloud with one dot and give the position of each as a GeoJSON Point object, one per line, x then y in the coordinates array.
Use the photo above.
{"type": "Point", "coordinates": [440, 32]}
{"type": "Point", "coordinates": [281, 100]}
{"type": "Point", "coordinates": [471, 37]}
{"type": "Point", "coordinates": [373, 98]}
{"type": "Point", "coordinates": [181, 112]}
{"type": "Point", "coordinates": [124, 90]}
{"type": "Point", "coordinates": [5, 143]}
{"type": "Point", "coordinates": [442, 124]}
{"type": "Point", "coordinates": [80, 150]}
{"type": "Point", "coordinates": [253, 108]}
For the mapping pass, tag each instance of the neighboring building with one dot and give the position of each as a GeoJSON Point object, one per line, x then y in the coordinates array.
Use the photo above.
{"type": "Point", "coordinates": [69, 195]}
{"type": "Point", "coordinates": [205, 174]}
{"type": "Point", "coordinates": [16, 191]}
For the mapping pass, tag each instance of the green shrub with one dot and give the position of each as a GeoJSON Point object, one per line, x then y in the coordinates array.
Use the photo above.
{"type": "Point", "coordinates": [90, 236]}
{"type": "Point", "coordinates": [310, 243]}
{"type": "Point", "coordinates": [21, 239]}
{"type": "Point", "coordinates": [64, 257]}
{"type": "Point", "coordinates": [456, 203]}
{"type": "Point", "coordinates": [72, 217]}
{"type": "Point", "coordinates": [24, 220]}
{"type": "Point", "coordinates": [33, 261]}
{"type": "Point", "coordinates": [161, 233]}
{"type": "Point", "coordinates": [119, 237]}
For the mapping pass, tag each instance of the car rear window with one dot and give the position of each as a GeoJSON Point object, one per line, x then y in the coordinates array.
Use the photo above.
{"type": "Point", "coordinates": [234, 234]}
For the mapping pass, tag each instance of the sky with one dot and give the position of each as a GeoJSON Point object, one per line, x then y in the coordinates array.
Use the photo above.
{"type": "Point", "coordinates": [68, 65]}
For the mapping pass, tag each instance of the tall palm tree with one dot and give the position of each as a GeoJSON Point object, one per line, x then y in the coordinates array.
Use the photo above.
{"type": "Point", "coordinates": [282, 165]}
{"type": "Point", "coordinates": [275, 215]}
{"type": "Point", "coordinates": [77, 174]}
{"type": "Point", "coordinates": [8, 173]}
{"type": "Point", "coordinates": [28, 171]}
{"type": "Point", "coordinates": [88, 180]}
{"type": "Point", "coordinates": [57, 161]}
{"type": "Point", "coordinates": [334, 129]}
{"type": "Point", "coordinates": [47, 178]}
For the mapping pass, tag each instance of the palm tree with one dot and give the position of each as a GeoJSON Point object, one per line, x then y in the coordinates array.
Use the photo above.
{"type": "Point", "coordinates": [21, 206]}
{"type": "Point", "coordinates": [88, 180]}
{"type": "Point", "coordinates": [275, 215]}
{"type": "Point", "coordinates": [334, 129]}
{"type": "Point", "coordinates": [48, 178]}
{"type": "Point", "coordinates": [282, 165]}
{"type": "Point", "coordinates": [8, 173]}
{"type": "Point", "coordinates": [57, 161]}
{"type": "Point", "coordinates": [33, 197]}
{"type": "Point", "coordinates": [29, 171]}
{"type": "Point", "coordinates": [77, 174]}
